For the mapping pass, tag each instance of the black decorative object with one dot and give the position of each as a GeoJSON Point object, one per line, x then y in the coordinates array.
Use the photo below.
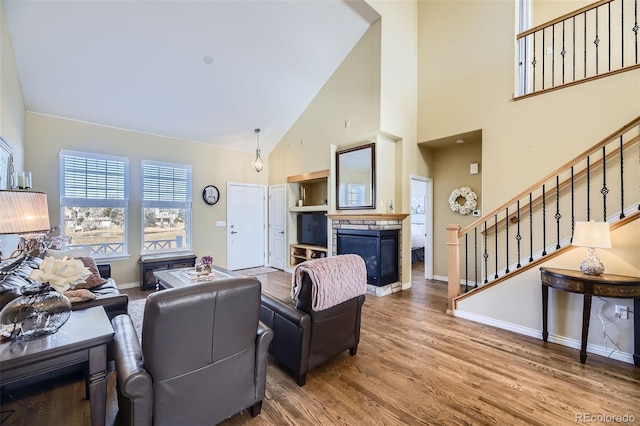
{"type": "Point", "coordinates": [210, 194]}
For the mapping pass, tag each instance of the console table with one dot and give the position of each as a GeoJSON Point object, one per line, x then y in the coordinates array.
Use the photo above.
{"type": "Point", "coordinates": [83, 338]}
{"type": "Point", "coordinates": [605, 285]}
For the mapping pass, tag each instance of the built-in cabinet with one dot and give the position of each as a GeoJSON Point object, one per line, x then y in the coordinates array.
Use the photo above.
{"type": "Point", "coordinates": [307, 192]}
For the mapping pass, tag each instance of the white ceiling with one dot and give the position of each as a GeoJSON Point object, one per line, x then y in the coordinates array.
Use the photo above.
{"type": "Point", "coordinates": [140, 65]}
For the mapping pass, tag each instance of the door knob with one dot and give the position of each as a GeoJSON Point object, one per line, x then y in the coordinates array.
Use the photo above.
{"type": "Point", "coordinates": [233, 232]}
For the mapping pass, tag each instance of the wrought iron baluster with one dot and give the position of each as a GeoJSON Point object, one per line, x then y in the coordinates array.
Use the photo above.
{"type": "Point", "coordinates": [544, 222]}
{"type": "Point", "coordinates": [558, 216]}
{"type": "Point", "coordinates": [604, 191]}
{"type": "Point", "coordinates": [588, 189]}
{"type": "Point", "coordinates": [518, 236]}
{"type": "Point", "coordinates": [585, 44]}
{"type": "Point", "coordinates": [475, 255]}
{"type": "Point", "coordinates": [597, 41]}
{"type": "Point", "coordinates": [466, 263]}
{"type": "Point", "coordinates": [533, 63]}
{"type": "Point", "coordinates": [525, 86]}
{"type": "Point", "coordinates": [506, 238]}
{"type": "Point", "coordinates": [635, 30]}
{"type": "Point", "coordinates": [553, 56]}
{"type": "Point", "coordinates": [621, 179]}
{"type": "Point", "coordinates": [495, 219]}
{"type": "Point", "coordinates": [486, 255]}
{"type": "Point", "coordinates": [564, 52]}
{"type": "Point", "coordinates": [530, 227]}
{"type": "Point", "coordinates": [573, 199]}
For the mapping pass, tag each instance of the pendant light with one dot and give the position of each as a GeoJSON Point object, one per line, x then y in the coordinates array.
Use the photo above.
{"type": "Point", "coordinates": [258, 165]}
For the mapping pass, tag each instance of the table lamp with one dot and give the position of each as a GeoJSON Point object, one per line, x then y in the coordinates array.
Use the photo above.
{"type": "Point", "coordinates": [23, 212]}
{"type": "Point", "coordinates": [592, 235]}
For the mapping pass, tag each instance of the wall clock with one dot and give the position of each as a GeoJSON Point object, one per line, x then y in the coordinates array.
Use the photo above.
{"type": "Point", "coordinates": [210, 194]}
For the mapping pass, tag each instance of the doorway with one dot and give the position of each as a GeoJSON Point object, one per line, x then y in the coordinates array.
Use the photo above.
{"type": "Point", "coordinates": [246, 217]}
{"type": "Point", "coordinates": [422, 223]}
{"type": "Point", "coordinates": [277, 226]}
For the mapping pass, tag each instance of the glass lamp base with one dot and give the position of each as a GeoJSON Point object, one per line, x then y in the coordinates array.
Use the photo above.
{"type": "Point", "coordinates": [591, 265]}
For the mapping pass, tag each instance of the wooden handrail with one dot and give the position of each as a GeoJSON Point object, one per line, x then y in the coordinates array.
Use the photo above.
{"type": "Point", "coordinates": [562, 18]}
{"type": "Point", "coordinates": [553, 174]}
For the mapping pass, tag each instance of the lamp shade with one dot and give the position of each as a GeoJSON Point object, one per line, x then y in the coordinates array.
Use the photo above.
{"type": "Point", "coordinates": [592, 234]}
{"type": "Point", "coordinates": [23, 212]}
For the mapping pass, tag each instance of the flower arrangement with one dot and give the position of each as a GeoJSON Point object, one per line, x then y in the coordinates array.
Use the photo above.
{"type": "Point", "coordinates": [470, 200]}
{"type": "Point", "coordinates": [206, 260]}
{"type": "Point", "coordinates": [61, 274]}
{"type": "Point", "coordinates": [204, 265]}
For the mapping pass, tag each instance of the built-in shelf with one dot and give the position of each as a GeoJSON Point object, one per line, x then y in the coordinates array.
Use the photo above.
{"type": "Point", "coordinates": [299, 253]}
{"type": "Point", "coordinates": [322, 208]}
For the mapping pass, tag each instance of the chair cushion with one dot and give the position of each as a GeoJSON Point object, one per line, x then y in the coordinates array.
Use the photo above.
{"type": "Point", "coordinates": [80, 295]}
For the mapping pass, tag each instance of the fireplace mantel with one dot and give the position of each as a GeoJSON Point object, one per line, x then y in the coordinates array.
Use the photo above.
{"type": "Point", "coordinates": [368, 216]}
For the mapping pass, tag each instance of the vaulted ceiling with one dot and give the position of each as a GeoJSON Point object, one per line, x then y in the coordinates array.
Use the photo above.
{"type": "Point", "coordinates": [205, 71]}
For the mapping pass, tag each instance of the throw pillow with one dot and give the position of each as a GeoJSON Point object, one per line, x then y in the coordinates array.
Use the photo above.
{"type": "Point", "coordinates": [81, 295]}
{"type": "Point", "coordinates": [93, 280]}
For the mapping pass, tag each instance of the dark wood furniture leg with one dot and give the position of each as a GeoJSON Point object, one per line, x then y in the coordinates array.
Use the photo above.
{"type": "Point", "coordinates": [586, 317]}
{"type": "Point", "coordinates": [545, 310]}
{"type": "Point", "coordinates": [636, 332]}
{"type": "Point", "coordinates": [97, 383]}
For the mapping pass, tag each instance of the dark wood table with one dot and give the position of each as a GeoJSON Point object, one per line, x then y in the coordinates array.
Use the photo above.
{"type": "Point", "coordinates": [175, 278]}
{"type": "Point", "coordinates": [83, 338]}
{"type": "Point", "coordinates": [605, 285]}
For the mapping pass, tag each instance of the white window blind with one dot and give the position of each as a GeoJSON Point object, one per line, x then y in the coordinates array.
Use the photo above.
{"type": "Point", "coordinates": [88, 179]}
{"type": "Point", "coordinates": [166, 185]}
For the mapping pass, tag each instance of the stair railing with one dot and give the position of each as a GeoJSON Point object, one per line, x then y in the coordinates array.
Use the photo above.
{"type": "Point", "coordinates": [601, 184]}
{"type": "Point", "coordinates": [595, 41]}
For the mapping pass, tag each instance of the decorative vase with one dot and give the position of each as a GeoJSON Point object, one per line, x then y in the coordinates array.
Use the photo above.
{"type": "Point", "coordinates": [39, 312]}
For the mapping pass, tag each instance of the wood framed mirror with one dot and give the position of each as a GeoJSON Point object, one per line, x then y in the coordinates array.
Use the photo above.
{"type": "Point", "coordinates": [356, 178]}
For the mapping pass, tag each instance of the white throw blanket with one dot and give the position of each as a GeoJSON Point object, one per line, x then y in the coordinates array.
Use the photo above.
{"type": "Point", "coordinates": [334, 280]}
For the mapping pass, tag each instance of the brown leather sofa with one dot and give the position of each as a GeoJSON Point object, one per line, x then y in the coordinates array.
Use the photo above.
{"type": "Point", "coordinates": [203, 356]}
{"type": "Point", "coordinates": [304, 338]}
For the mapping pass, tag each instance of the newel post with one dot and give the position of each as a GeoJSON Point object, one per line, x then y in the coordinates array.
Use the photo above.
{"type": "Point", "coordinates": [453, 273]}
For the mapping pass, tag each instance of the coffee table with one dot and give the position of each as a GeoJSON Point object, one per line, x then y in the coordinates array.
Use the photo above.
{"type": "Point", "coordinates": [176, 278]}
{"type": "Point", "coordinates": [83, 338]}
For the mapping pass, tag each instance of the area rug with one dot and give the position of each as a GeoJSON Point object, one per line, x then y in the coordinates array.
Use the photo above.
{"type": "Point", "coordinates": [251, 272]}
{"type": "Point", "coordinates": [136, 312]}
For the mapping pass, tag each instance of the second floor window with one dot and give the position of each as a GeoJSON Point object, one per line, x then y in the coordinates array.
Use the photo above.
{"type": "Point", "coordinates": [166, 207]}
{"type": "Point", "coordinates": [94, 200]}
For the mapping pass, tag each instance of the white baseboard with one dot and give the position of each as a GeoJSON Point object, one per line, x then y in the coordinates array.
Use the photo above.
{"type": "Point", "coordinates": [561, 340]}
{"type": "Point", "coordinates": [128, 285]}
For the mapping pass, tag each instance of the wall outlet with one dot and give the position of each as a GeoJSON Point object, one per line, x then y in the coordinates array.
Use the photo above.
{"type": "Point", "coordinates": [622, 312]}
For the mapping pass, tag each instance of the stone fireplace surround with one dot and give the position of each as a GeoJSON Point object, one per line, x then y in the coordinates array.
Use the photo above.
{"type": "Point", "coordinates": [374, 221]}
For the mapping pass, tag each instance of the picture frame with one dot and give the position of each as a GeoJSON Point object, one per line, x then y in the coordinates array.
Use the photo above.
{"type": "Point", "coordinates": [6, 164]}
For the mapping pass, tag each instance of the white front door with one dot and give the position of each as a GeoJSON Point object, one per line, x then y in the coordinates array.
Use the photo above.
{"type": "Point", "coordinates": [246, 213]}
{"type": "Point", "coordinates": [277, 225]}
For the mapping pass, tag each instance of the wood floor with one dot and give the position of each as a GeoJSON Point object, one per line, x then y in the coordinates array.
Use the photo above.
{"type": "Point", "coordinates": [415, 365]}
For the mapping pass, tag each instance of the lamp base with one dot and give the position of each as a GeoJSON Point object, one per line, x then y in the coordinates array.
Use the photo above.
{"type": "Point", "coordinates": [591, 265]}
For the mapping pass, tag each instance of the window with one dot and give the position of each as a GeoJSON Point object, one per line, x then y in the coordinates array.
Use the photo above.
{"type": "Point", "coordinates": [94, 200]}
{"type": "Point", "coordinates": [166, 207]}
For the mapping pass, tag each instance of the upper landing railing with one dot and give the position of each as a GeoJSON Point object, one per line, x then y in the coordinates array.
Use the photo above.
{"type": "Point", "coordinates": [595, 41]}
{"type": "Point", "coordinates": [601, 184]}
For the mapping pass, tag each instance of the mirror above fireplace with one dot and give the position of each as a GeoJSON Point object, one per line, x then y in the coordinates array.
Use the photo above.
{"type": "Point", "coordinates": [356, 178]}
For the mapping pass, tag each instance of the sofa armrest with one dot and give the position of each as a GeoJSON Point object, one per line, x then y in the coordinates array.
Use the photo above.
{"type": "Point", "coordinates": [134, 384]}
{"type": "Point", "coordinates": [264, 337]}
{"type": "Point", "coordinates": [104, 269]}
{"type": "Point", "coordinates": [291, 334]}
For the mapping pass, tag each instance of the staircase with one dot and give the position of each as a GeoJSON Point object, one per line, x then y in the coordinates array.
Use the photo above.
{"type": "Point", "coordinates": [600, 184]}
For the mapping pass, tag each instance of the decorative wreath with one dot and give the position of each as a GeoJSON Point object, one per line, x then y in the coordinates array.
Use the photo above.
{"type": "Point", "coordinates": [470, 203]}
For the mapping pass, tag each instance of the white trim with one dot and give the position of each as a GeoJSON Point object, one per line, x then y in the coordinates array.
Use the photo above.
{"type": "Point", "coordinates": [531, 332]}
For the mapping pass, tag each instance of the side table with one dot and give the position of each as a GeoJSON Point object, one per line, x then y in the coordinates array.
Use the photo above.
{"type": "Point", "coordinates": [605, 285]}
{"type": "Point", "coordinates": [83, 338]}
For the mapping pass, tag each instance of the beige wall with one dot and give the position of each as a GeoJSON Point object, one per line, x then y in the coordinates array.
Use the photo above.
{"type": "Point", "coordinates": [12, 111]}
{"type": "Point", "coordinates": [451, 171]}
{"type": "Point", "coordinates": [46, 136]}
{"type": "Point", "coordinates": [467, 83]}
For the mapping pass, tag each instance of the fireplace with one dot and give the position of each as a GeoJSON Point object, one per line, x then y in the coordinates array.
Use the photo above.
{"type": "Point", "coordinates": [378, 248]}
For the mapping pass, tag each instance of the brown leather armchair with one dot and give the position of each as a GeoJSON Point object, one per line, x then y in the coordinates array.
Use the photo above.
{"type": "Point", "coordinates": [203, 356]}
{"type": "Point", "coordinates": [304, 338]}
